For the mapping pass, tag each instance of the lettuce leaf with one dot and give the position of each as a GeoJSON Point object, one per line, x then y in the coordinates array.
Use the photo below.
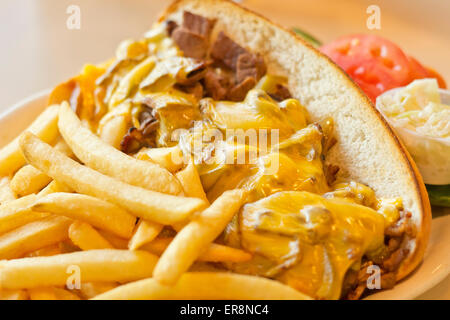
{"type": "Point", "coordinates": [439, 195]}
{"type": "Point", "coordinates": [308, 37]}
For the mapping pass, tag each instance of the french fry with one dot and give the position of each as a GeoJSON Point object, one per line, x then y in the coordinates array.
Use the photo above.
{"type": "Point", "coordinates": [45, 127]}
{"type": "Point", "coordinates": [145, 232]}
{"type": "Point", "coordinates": [50, 250]}
{"type": "Point", "coordinates": [90, 290]}
{"type": "Point", "coordinates": [30, 180]}
{"type": "Point", "coordinates": [67, 246]}
{"type": "Point", "coordinates": [54, 187]}
{"type": "Point", "coordinates": [99, 213]}
{"type": "Point", "coordinates": [214, 253]}
{"type": "Point", "coordinates": [6, 193]}
{"type": "Point", "coordinates": [206, 286]}
{"type": "Point", "coordinates": [18, 212]}
{"type": "Point", "coordinates": [150, 205]}
{"type": "Point", "coordinates": [117, 242]}
{"type": "Point", "coordinates": [196, 236]}
{"type": "Point", "coordinates": [100, 156]}
{"type": "Point", "coordinates": [190, 181]}
{"type": "Point", "coordinates": [42, 294]}
{"type": "Point", "coordinates": [17, 294]}
{"type": "Point", "coordinates": [170, 158]}
{"type": "Point", "coordinates": [64, 294]}
{"type": "Point", "coordinates": [86, 237]}
{"type": "Point", "coordinates": [192, 186]}
{"type": "Point", "coordinates": [106, 265]}
{"type": "Point", "coordinates": [112, 129]}
{"type": "Point", "coordinates": [51, 293]}
{"type": "Point", "coordinates": [33, 236]}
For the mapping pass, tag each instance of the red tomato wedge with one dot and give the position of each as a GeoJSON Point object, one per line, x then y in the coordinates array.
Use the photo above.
{"type": "Point", "coordinates": [375, 64]}
{"type": "Point", "coordinates": [418, 71]}
{"type": "Point", "coordinates": [433, 74]}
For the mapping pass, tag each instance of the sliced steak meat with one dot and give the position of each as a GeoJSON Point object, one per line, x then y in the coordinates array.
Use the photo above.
{"type": "Point", "coordinates": [198, 24]}
{"type": "Point", "coordinates": [389, 260]}
{"type": "Point", "coordinates": [192, 44]}
{"type": "Point", "coordinates": [216, 84]}
{"type": "Point", "coordinates": [239, 91]}
{"type": "Point", "coordinates": [393, 262]}
{"type": "Point", "coordinates": [226, 51]}
{"type": "Point", "coordinates": [330, 173]}
{"type": "Point", "coordinates": [281, 93]}
{"type": "Point", "coordinates": [193, 36]}
{"type": "Point", "coordinates": [388, 280]}
{"type": "Point", "coordinates": [356, 293]}
{"type": "Point", "coordinates": [249, 65]}
{"type": "Point", "coordinates": [145, 136]}
{"type": "Point", "coordinates": [170, 27]}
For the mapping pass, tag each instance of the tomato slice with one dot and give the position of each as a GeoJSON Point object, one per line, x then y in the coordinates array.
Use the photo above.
{"type": "Point", "coordinates": [376, 64]}
{"type": "Point", "coordinates": [433, 74]}
{"type": "Point", "coordinates": [418, 71]}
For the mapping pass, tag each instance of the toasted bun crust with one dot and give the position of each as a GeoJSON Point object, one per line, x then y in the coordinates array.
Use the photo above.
{"type": "Point", "coordinates": [367, 151]}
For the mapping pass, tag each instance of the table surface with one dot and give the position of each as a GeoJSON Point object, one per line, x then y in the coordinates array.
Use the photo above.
{"type": "Point", "coordinates": [39, 51]}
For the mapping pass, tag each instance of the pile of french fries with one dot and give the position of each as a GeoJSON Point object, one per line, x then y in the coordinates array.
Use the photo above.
{"type": "Point", "coordinates": [80, 219]}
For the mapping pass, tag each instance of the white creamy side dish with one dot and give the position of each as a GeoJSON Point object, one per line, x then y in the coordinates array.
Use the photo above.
{"type": "Point", "coordinates": [422, 120]}
{"type": "Point", "coordinates": [418, 107]}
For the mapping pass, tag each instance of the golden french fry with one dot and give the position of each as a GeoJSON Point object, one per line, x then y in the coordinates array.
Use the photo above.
{"type": "Point", "coordinates": [31, 180]}
{"type": "Point", "coordinates": [86, 237]}
{"type": "Point", "coordinates": [112, 129]}
{"type": "Point", "coordinates": [17, 213]}
{"type": "Point", "coordinates": [6, 193]}
{"type": "Point", "coordinates": [214, 253]}
{"type": "Point", "coordinates": [16, 294]}
{"type": "Point", "coordinates": [150, 205]}
{"type": "Point", "coordinates": [196, 236]}
{"type": "Point", "coordinates": [99, 213]}
{"type": "Point", "coordinates": [51, 293]}
{"type": "Point", "coordinates": [192, 186]}
{"type": "Point", "coordinates": [100, 156]}
{"type": "Point", "coordinates": [90, 290]}
{"type": "Point", "coordinates": [42, 293]}
{"type": "Point", "coordinates": [170, 158]}
{"type": "Point", "coordinates": [145, 232]}
{"type": "Point", "coordinates": [50, 250]}
{"type": "Point", "coordinates": [190, 181]}
{"type": "Point", "coordinates": [206, 286]}
{"type": "Point", "coordinates": [45, 127]}
{"type": "Point", "coordinates": [106, 265]}
{"type": "Point", "coordinates": [67, 246]}
{"type": "Point", "coordinates": [64, 294]}
{"type": "Point", "coordinates": [54, 187]}
{"type": "Point", "coordinates": [117, 242]}
{"type": "Point", "coordinates": [33, 236]}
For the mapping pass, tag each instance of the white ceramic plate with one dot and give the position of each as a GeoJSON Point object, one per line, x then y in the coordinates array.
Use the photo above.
{"type": "Point", "coordinates": [434, 269]}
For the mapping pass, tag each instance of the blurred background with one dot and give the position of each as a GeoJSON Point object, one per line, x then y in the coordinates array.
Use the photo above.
{"type": "Point", "coordinates": [40, 51]}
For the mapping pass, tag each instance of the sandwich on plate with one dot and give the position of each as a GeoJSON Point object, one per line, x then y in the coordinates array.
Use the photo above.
{"type": "Point", "coordinates": [251, 164]}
